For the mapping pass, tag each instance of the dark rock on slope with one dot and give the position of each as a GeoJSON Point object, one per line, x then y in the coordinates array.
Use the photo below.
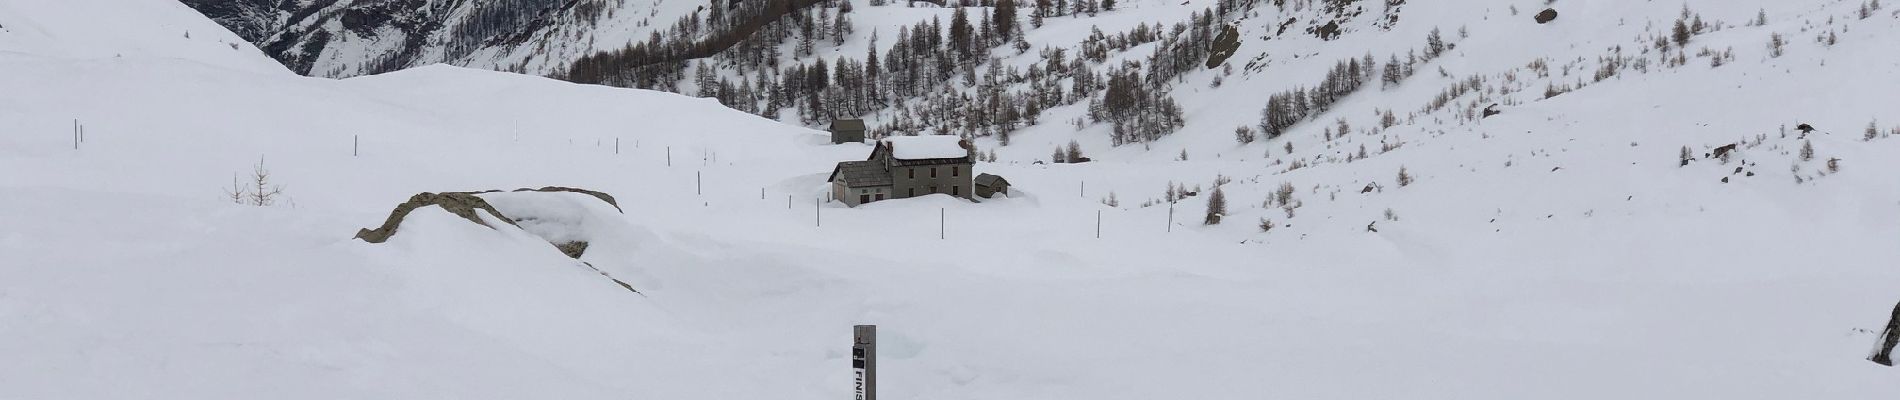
{"type": "Point", "coordinates": [1549, 14]}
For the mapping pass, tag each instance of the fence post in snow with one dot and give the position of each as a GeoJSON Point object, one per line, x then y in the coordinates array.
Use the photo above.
{"type": "Point", "coordinates": [817, 214]}
{"type": "Point", "coordinates": [75, 134]}
{"type": "Point", "coordinates": [698, 189]}
{"type": "Point", "coordinates": [355, 143]}
{"type": "Point", "coordinates": [1082, 191]}
{"type": "Point", "coordinates": [1098, 224]}
{"type": "Point", "coordinates": [669, 156]}
{"type": "Point", "coordinates": [616, 145]}
{"type": "Point", "coordinates": [940, 222]}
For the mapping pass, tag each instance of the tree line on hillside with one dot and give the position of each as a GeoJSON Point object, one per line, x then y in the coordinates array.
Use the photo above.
{"type": "Point", "coordinates": [1286, 109]}
{"type": "Point", "coordinates": [945, 77]}
{"type": "Point", "coordinates": [935, 77]}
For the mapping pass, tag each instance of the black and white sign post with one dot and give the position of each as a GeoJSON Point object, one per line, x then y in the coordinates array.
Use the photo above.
{"type": "Point", "coordinates": [864, 360]}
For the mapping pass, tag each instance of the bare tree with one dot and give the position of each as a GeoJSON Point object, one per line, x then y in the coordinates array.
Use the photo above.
{"type": "Point", "coordinates": [1283, 195]}
{"type": "Point", "coordinates": [256, 191]}
{"type": "Point", "coordinates": [237, 191]}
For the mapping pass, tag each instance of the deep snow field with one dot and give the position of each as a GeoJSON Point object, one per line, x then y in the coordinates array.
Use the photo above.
{"type": "Point", "coordinates": [1555, 251]}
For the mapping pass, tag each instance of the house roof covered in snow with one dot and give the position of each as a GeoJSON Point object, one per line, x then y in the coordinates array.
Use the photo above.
{"type": "Point", "coordinates": [991, 180]}
{"type": "Point", "coordinates": [861, 174]}
{"type": "Point", "coordinates": [927, 147]}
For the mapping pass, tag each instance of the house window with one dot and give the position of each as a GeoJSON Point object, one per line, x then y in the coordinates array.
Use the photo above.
{"type": "Point", "coordinates": [933, 172]}
{"type": "Point", "coordinates": [956, 190]}
{"type": "Point", "coordinates": [864, 198]}
{"type": "Point", "coordinates": [953, 171]}
{"type": "Point", "coordinates": [880, 196]}
{"type": "Point", "coordinates": [913, 173]}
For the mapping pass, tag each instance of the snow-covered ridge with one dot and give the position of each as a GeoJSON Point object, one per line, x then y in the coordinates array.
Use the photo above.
{"type": "Point", "coordinates": [116, 29]}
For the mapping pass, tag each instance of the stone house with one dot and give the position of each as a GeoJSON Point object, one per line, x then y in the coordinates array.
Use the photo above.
{"type": "Point", "coordinates": [907, 166]}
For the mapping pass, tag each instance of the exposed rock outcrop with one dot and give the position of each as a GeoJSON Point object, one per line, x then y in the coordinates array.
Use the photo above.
{"type": "Point", "coordinates": [466, 204]}
{"type": "Point", "coordinates": [1883, 350]}
{"type": "Point", "coordinates": [572, 249]}
{"type": "Point", "coordinates": [1224, 46]}
{"type": "Point", "coordinates": [462, 204]}
{"type": "Point", "coordinates": [602, 196]}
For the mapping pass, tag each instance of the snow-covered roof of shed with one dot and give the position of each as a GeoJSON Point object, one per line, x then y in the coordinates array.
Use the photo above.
{"type": "Point", "coordinates": [927, 147]}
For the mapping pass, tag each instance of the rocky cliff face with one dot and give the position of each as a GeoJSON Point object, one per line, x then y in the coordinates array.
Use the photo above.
{"type": "Point", "coordinates": [344, 38]}
{"type": "Point", "coordinates": [252, 20]}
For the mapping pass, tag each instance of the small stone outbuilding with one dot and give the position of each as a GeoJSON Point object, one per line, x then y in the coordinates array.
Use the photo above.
{"type": "Point", "coordinates": [847, 131]}
{"type": "Point", "coordinates": [988, 185]}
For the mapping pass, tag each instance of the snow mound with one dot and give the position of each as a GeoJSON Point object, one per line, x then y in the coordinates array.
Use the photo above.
{"type": "Point", "coordinates": [561, 218]}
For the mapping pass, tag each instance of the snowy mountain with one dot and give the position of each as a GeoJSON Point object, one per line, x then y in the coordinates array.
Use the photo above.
{"type": "Point", "coordinates": [344, 38]}
{"type": "Point", "coordinates": [1640, 214]}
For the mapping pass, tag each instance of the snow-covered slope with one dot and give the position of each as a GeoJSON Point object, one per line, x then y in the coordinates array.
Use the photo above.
{"type": "Point", "coordinates": [1557, 250]}
{"type": "Point", "coordinates": [94, 30]}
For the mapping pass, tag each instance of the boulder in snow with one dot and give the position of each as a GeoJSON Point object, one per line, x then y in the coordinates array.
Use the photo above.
{"type": "Point", "coordinates": [565, 217]}
{"type": "Point", "coordinates": [1549, 14]}
{"type": "Point", "coordinates": [525, 205]}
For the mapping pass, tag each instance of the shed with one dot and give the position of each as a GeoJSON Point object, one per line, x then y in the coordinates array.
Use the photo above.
{"type": "Point", "coordinates": [847, 131]}
{"type": "Point", "coordinates": [988, 185]}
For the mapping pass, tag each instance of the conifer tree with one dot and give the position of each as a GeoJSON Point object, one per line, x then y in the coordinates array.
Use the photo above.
{"type": "Point", "coordinates": [1004, 19]}
{"type": "Point", "coordinates": [1216, 206]}
{"type": "Point", "coordinates": [960, 32]}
